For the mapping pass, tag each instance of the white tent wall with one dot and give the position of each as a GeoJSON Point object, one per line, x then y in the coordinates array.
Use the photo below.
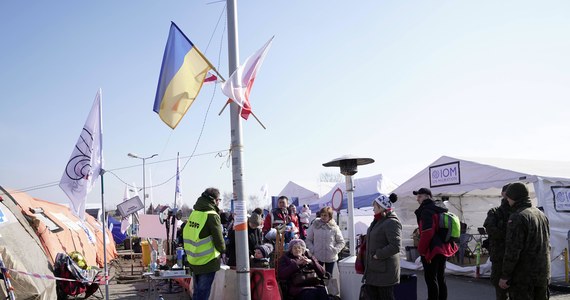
{"type": "Point", "coordinates": [478, 187]}
{"type": "Point", "coordinates": [559, 221]}
{"type": "Point", "coordinates": [470, 208]}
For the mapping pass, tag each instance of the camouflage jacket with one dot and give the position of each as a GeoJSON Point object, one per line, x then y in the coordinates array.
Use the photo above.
{"type": "Point", "coordinates": [527, 246]}
{"type": "Point", "coordinates": [496, 226]}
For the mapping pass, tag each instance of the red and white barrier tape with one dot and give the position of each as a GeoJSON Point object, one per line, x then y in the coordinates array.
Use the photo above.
{"type": "Point", "coordinates": [51, 277]}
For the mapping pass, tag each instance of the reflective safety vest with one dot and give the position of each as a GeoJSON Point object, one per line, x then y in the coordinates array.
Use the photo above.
{"type": "Point", "coordinates": [198, 251]}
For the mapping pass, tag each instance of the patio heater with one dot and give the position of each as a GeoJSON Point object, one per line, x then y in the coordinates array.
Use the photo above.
{"type": "Point", "coordinates": [349, 166]}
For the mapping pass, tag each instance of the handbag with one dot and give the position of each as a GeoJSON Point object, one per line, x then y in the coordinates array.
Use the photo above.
{"type": "Point", "coordinates": [306, 277]}
{"type": "Point", "coordinates": [360, 255]}
{"type": "Point", "coordinates": [364, 293]}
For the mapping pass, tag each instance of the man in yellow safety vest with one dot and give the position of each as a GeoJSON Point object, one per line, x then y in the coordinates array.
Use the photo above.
{"type": "Point", "coordinates": [204, 242]}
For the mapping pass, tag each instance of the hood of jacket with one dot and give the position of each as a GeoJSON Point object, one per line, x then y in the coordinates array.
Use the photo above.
{"type": "Point", "coordinates": [521, 204]}
{"type": "Point", "coordinates": [205, 204]}
{"type": "Point", "coordinates": [429, 204]}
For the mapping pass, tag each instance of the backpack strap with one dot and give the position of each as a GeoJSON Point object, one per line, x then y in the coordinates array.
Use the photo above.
{"type": "Point", "coordinates": [444, 218]}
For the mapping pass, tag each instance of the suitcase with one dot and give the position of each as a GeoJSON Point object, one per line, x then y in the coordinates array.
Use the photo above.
{"type": "Point", "coordinates": [408, 287]}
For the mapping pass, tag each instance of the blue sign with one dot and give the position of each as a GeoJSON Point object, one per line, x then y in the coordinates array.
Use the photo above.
{"type": "Point", "coordinates": [3, 218]}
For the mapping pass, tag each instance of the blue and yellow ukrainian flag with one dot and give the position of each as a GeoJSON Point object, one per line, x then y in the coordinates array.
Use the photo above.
{"type": "Point", "coordinates": [181, 77]}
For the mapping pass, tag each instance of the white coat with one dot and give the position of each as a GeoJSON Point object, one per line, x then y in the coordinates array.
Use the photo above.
{"type": "Point", "coordinates": [324, 240]}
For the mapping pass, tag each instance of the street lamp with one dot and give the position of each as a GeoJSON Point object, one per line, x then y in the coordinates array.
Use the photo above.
{"type": "Point", "coordinates": [349, 166]}
{"type": "Point", "coordinates": [144, 186]}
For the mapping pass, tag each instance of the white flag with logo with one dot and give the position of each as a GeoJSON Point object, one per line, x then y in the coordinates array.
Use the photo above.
{"type": "Point", "coordinates": [86, 161]}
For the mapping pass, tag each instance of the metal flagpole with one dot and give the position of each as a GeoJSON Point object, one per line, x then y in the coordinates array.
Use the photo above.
{"type": "Point", "coordinates": [240, 209]}
{"type": "Point", "coordinates": [104, 238]}
{"type": "Point", "coordinates": [104, 222]}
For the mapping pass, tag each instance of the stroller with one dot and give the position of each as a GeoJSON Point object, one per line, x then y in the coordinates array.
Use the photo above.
{"type": "Point", "coordinates": [87, 280]}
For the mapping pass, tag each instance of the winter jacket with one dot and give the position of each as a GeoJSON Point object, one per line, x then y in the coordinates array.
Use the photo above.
{"type": "Point", "coordinates": [254, 239]}
{"type": "Point", "coordinates": [275, 218]}
{"type": "Point", "coordinates": [431, 243]}
{"type": "Point", "coordinates": [324, 240]}
{"type": "Point", "coordinates": [305, 216]}
{"type": "Point", "coordinates": [383, 239]}
{"type": "Point", "coordinates": [213, 227]}
{"type": "Point", "coordinates": [527, 247]}
{"type": "Point", "coordinates": [496, 226]}
{"type": "Point", "coordinates": [288, 269]}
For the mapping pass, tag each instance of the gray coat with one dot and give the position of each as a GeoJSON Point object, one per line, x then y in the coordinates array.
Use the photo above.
{"type": "Point", "coordinates": [383, 239]}
{"type": "Point", "coordinates": [324, 240]}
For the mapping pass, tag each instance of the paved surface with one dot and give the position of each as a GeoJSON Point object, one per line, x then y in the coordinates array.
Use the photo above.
{"type": "Point", "coordinates": [466, 288]}
{"type": "Point", "coordinates": [459, 287]}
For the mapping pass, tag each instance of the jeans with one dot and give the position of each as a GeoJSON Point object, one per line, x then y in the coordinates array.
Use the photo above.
{"type": "Point", "coordinates": [329, 266]}
{"type": "Point", "coordinates": [202, 285]}
{"type": "Point", "coordinates": [434, 274]}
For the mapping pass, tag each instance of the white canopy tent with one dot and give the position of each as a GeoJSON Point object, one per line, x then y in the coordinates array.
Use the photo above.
{"type": "Point", "coordinates": [306, 192]}
{"type": "Point", "coordinates": [473, 187]}
{"type": "Point", "coordinates": [365, 190]}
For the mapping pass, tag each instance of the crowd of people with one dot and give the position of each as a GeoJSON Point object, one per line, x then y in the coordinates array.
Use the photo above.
{"type": "Point", "coordinates": [518, 246]}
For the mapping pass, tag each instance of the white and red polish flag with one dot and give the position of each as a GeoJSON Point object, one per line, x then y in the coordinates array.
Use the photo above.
{"type": "Point", "coordinates": [238, 86]}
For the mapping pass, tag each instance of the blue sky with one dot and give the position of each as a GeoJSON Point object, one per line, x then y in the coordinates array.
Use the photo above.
{"type": "Point", "coordinates": [403, 82]}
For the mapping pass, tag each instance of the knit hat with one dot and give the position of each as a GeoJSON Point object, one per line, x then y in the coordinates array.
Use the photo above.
{"type": "Point", "coordinates": [386, 201]}
{"type": "Point", "coordinates": [255, 219]}
{"type": "Point", "coordinates": [297, 242]}
{"type": "Point", "coordinates": [517, 191]}
{"type": "Point", "coordinates": [265, 249]}
{"type": "Point", "coordinates": [383, 201]}
{"type": "Point", "coordinates": [505, 187]}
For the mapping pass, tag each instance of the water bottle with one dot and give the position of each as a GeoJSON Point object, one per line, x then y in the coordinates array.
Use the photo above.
{"type": "Point", "coordinates": [179, 256]}
{"type": "Point", "coordinates": [153, 258]}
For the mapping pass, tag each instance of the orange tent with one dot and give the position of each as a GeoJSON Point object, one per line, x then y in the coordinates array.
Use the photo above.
{"type": "Point", "coordinates": [61, 231]}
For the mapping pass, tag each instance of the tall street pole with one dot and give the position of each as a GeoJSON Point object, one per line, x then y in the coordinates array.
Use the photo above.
{"type": "Point", "coordinates": [240, 209]}
{"type": "Point", "coordinates": [144, 175]}
{"type": "Point", "coordinates": [144, 185]}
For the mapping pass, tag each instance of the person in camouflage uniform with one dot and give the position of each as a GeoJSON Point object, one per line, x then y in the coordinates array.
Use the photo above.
{"type": "Point", "coordinates": [496, 226]}
{"type": "Point", "coordinates": [526, 265]}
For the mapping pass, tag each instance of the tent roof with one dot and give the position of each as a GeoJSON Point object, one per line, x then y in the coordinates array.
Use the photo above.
{"type": "Point", "coordinates": [486, 173]}
{"type": "Point", "coordinates": [366, 189]}
{"type": "Point", "coordinates": [21, 250]}
{"type": "Point", "coordinates": [67, 234]}
{"type": "Point", "coordinates": [306, 192]}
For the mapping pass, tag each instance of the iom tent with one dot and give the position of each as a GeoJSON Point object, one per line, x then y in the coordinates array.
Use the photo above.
{"type": "Point", "coordinates": [21, 250]}
{"type": "Point", "coordinates": [473, 186]}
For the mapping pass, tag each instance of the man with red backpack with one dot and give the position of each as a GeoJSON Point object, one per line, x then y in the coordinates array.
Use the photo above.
{"type": "Point", "coordinates": [432, 247]}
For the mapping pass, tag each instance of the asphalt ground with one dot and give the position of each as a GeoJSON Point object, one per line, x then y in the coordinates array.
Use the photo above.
{"type": "Point", "coordinates": [467, 288]}
{"type": "Point", "coordinates": [459, 287]}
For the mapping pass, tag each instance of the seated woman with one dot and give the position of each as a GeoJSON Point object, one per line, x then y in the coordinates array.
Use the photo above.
{"type": "Point", "coordinates": [303, 273]}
